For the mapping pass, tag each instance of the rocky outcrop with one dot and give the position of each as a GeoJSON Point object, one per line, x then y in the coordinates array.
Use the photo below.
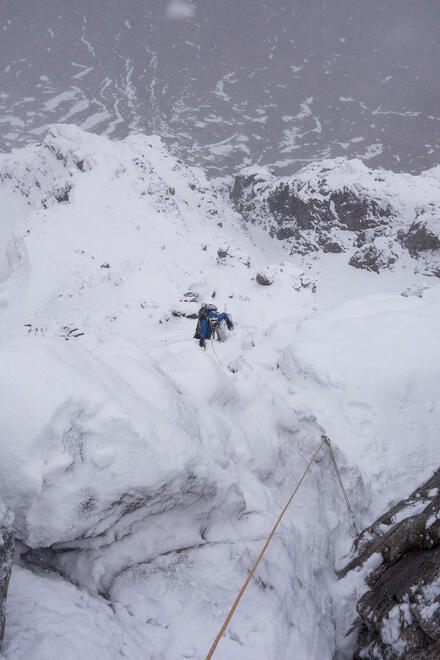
{"type": "Point", "coordinates": [424, 233]}
{"type": "Point", "coordinates": [373, 257]}
{"type": "Point", "coordinates": [335, 206]}
{"type": "Point", "coordinates": [422, 239]}
{"type": "Point", "coordinates": [310, 214]}
{"type": "Point", "coordinates": [6, 556]}
{"type": "Point", "coordinates": [399, 616]}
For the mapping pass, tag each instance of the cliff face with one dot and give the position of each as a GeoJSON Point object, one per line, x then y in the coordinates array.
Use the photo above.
{"type": "Point", "coordinates": [340, 205]}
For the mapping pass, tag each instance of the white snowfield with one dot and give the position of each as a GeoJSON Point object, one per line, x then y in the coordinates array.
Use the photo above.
{"type": "Point", "coordinates": [145, 473]}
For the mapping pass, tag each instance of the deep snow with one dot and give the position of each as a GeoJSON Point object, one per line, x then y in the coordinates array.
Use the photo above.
{"type": "Point", "coordinates": [155, 470]}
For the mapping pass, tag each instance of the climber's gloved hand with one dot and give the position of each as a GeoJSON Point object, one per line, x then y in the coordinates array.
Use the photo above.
{"type": "Point", "coordinates": [229, 324]}
{"type": "Point", "coordinates": [202, 343]}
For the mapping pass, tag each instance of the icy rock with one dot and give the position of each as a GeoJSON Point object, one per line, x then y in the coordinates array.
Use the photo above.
{"type": "Point", "coordinates": [400, 614]}
{"type": "Point", "coordinates": [6, 557]}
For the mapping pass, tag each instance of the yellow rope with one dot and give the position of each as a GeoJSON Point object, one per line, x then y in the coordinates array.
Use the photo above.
{"type": "Point", "coordinates": [249, 577]}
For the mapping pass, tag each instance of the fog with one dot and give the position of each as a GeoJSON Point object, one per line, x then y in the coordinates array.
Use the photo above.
{"type": "Point", "coordinates": [233, 82]}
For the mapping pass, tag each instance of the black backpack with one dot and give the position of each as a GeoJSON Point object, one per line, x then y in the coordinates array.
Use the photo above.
{"type": "Point", "coordinates": [204, 311]}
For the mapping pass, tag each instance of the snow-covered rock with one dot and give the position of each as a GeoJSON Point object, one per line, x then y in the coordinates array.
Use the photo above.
{"type": "Point", "coordinates": [335, 205]}
{"type": "Point", "coordinates": [400, 613]}
{"type": "Point", "coordinates": [6, 557]}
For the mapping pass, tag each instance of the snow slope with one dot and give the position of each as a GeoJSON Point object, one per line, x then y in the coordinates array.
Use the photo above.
{"type": "Point", "coordinates": [145, 473]}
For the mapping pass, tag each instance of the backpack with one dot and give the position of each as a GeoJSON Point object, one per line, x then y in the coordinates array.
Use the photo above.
{"type": "Point", "coordinates": [203, 314]}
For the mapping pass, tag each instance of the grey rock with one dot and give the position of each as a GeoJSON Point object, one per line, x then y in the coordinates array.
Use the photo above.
{"type": "Point", "coordinates": [263, 280]}
{"type": "Point", "coordinates": [6, 557]}
{"type": "Point", "coordinates": [332, 246]}
{"type": "Point", "coordinates": [424, 234]}
{"type": "Point", "coordinates": [399, 615]}
{"type": "Point", "coordinates": [371, 257]}
{"type": "Point", "coordinates": [358, 212]}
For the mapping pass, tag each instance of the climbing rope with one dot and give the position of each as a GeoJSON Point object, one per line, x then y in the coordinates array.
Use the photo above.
{"type": "Point", "coordinates": [338, 474]}
{"type": "Point", "coordinates": [215, 352]}
{"type": "Point", "coordinates": [260, 556]}
{"type": "Point", "coordinates": [324, 440]}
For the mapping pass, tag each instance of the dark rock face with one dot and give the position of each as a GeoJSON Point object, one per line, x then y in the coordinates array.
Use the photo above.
{"type": "Point", "coordinates": [240, 189]}
{"type": "Point", "coordinates": [421, 236]}
{"type": "Point", "coordinates": [357, 212]}
{"type": "Point", "coordinates": [400, 614]}
{"type": "Point", "coordinates": [395, 608]}
{"type": "Point", "coordinates": [286, 206]}
{"type": "Point", "coordinates": [6, 557]}
{"type": "Point", "coordinates": [422, 239]}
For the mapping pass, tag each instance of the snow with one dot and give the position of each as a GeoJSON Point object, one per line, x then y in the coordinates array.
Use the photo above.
{"type": "Point", "coordinates": [375, 359]}
{"type": "Point", "coordinates": [47, 613]}
{"type": "Point", "coordinates": [145, 473]}
{"type": "Point", "coordinates": [179, 10]}
{"type": "Point", "coordinates": [391, 627]}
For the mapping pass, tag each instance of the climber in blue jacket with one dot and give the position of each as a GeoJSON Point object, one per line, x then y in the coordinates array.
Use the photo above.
{"type": "Point", "coordinates": [211, 324]}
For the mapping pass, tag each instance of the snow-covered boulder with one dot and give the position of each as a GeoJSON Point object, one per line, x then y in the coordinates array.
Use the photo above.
{"type": "Point", "coordinates": [422, 239]}
{"type": "Point", "coordinates": [286, 276]}
{"type": "Point", "coordinates": [6, 557]}
{"type": "Point", "coordinates": [375, 256]}
{"type": "Point", "coordinates": [424, 233]}
{"type": "Point", "coordinates": [335, 204]}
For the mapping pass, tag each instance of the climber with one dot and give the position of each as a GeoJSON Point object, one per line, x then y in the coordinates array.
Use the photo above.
{"type": "Point", "coordinates": [210, 323]}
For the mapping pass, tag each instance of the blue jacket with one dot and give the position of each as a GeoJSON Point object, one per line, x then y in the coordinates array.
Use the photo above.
{"type": "Point", "coordinates": [206, 326]}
